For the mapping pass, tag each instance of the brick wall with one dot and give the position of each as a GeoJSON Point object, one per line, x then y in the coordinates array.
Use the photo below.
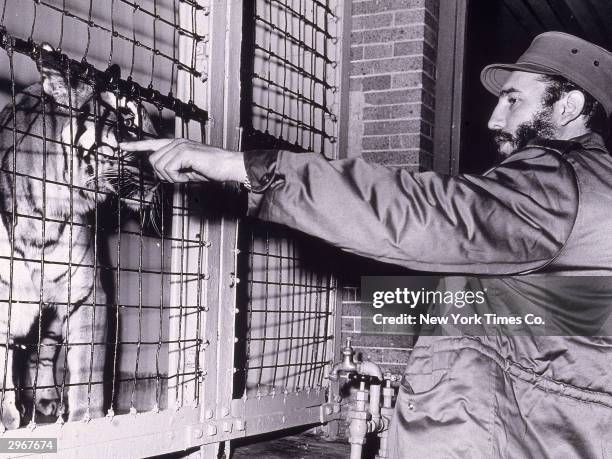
{"type": "Point", "coordinates": [390, 350]}
{"type": "Point", "coordinates": [393, 54]}
{"type": "Point", "coordinates": [393, 51]}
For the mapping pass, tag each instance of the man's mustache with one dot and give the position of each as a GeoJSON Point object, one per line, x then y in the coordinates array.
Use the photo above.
{"type": "Point", "coordinates": [501, 136]}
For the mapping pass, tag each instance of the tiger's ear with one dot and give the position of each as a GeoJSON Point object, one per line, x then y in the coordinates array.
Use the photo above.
{"type": "Point", "coordinates": [58, 83]}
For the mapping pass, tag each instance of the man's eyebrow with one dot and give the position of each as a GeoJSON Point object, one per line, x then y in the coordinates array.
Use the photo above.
{"type": "Point", "coordinates": [505, 92]}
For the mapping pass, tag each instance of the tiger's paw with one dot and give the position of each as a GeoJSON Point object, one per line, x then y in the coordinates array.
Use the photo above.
{"type": "Point", "coordinates": [47, 406]}
{"type": "Point", "coordinates": [11, 416]}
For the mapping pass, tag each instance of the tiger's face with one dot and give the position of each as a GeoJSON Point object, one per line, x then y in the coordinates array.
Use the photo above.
{"type": "Point", "coordinates": [99, 168]}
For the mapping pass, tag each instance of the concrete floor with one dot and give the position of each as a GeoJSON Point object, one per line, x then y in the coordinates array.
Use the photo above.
{"type": "Point", "coordinates": [300, 446]}
{"type": "Point", "coordinates": [290, 444]}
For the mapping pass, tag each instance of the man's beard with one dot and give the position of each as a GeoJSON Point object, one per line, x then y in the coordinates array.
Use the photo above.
{"type": "Point", "coordinates": [540, 126]}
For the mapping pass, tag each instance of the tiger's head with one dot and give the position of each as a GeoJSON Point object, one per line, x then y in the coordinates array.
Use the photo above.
{"type": "Point", "coordinates": [98, 165]}
{"type": "Point", "coordinates": [91, 125]}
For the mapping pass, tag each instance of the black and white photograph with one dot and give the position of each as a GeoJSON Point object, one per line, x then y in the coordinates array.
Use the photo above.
{"type": "Point", "coordinates": [361, 229]}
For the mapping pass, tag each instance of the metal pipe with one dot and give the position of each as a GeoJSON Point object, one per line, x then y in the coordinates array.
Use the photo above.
{"type": "Point", "coordinates": [358, 427]}
{"type": "Point", "coordinates": [370, 369]}
{"type": "Point", "coordinates": [375, 402]}
{"type": "Point", "coordinates": [386, 414]}
{"type": "Point", "coordinates": [347, 365]}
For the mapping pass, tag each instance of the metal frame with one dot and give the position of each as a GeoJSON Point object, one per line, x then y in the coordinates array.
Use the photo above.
{"type": "Point", "coordinates": [449, 85]}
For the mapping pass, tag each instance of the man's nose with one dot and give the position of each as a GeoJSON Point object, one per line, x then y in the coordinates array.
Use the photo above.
{"type": "Point", "coordinates": [497, 120]}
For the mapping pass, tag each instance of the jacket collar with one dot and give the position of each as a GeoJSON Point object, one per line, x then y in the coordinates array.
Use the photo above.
{"type": "Point", "coordinates": [589, 141]}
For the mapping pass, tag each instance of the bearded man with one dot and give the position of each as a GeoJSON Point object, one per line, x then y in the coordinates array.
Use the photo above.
{"type": "Point", "coordinates": [546, 208]}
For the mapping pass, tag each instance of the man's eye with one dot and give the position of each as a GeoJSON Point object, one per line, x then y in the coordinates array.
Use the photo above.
{"type": "Point", "coordinates": [512, 100]}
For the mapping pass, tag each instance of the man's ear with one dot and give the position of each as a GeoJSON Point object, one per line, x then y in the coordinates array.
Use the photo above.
{"type": "Point", "coordinates": [571, 106]}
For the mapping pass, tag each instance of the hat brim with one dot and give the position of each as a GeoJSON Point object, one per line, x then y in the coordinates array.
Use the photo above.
{"type": "Point", "coordinates": [494, 76]}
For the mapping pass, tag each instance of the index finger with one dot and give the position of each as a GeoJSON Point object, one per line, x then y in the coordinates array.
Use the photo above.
{"type": "Point", "coordinates": [145, 145]}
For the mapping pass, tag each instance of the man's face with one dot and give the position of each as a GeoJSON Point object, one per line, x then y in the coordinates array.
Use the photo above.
{"type": "Point", "coordinates": [520, 114]}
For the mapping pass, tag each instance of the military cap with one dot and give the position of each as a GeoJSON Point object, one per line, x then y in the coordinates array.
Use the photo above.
{"type": "Point", "coordinates": [556, 53]}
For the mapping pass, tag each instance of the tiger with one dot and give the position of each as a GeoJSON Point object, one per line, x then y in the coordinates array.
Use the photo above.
{"type": "Point", "coordinates": [60, 158]}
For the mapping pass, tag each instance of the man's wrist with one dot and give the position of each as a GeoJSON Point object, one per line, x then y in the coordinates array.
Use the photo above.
{"type": "Point", "coordinates": [237, 170]}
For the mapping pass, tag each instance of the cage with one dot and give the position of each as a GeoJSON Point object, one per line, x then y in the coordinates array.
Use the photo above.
{"type": "Point", "coordinates": [140, 318]}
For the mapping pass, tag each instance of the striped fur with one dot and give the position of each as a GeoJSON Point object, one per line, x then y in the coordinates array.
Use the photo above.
{"type": "Point", "coordinates": [61, 180]}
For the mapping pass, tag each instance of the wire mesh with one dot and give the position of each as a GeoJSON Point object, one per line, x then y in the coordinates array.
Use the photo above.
{"type": "Point", "coordinates": [87, 234]}
{"type": "Point", "coordinates": [292, 51]}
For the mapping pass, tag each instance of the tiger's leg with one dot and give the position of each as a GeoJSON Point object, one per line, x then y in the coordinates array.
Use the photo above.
{"type": "Point", "coordinates": [11, 415]}
{"type": "Point", "coordinates": [16, 320]}
{"type": "Point", "coordinates": [86, 341]}
{"type": "Point", "coordinates": [21, 317]}
{"type": "Point", "coordinates": [83, 324]}
{"type": "Point", "coordinates": [40, 370]}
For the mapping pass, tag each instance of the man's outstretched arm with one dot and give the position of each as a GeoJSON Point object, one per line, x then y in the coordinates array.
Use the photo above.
{"type": "Point", "coordinates": [514, 219]}
{"type": "Point", "coordinates": [182, 160]}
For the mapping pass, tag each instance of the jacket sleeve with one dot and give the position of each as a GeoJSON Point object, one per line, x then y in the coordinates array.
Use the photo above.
{"type": "Point", "coordinates": [513, 219]}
